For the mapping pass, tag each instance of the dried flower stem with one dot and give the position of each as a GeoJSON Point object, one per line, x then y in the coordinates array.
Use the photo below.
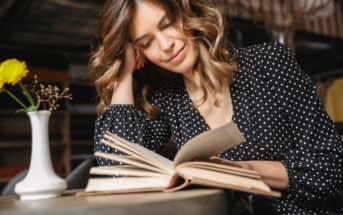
{"type": "Point", "coordinates": [48, 96]}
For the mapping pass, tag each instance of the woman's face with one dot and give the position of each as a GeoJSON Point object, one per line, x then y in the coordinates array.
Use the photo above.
{"type": "Point", "coordinates": [160, 40]}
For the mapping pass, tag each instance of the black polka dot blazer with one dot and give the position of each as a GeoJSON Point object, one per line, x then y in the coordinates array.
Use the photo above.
{"type": "Point", "coordinates": [276, 108]}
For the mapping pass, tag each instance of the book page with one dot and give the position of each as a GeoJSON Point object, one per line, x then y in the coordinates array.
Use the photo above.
{"type": "Point", "coordinates": [139, 151]}
{"type": "Point", "coordinates": [219, 168]}
{"type": "Point", "coordinates": [208, 183]}
{"type": "Point", "coordinates": [210, 143]}
{"type": "Point", "coordinates": [126, 183]}
{"type": "Point", "coordinates": [224, 178]}
{"type": "Point", "coordinates": [123, 170]}
{"type": "Point", "coordinates": [127, 159]}
{"type": "Point", "coordinates": [134, 154]}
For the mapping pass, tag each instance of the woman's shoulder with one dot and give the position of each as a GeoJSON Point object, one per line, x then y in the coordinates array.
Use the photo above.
{"type": "Point", "coordinates": [266, 58]}
{"type": "Point", "coordinates": [260, 52]}
{"type": "Point", "coordinates": [271, 61]}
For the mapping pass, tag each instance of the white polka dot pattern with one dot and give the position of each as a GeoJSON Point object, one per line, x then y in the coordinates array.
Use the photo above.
{"type": "Point", "coordinates": [275, 106]}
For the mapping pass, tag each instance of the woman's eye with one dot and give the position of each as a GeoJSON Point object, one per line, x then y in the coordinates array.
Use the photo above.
{"type": "Point", "coordinates": [146, 44]}
{"type": "Point", "coordinates": [167, 25]}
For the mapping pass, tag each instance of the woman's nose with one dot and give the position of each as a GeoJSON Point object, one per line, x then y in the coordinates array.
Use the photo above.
{"type": "Point", "coordinates": [166, 42]}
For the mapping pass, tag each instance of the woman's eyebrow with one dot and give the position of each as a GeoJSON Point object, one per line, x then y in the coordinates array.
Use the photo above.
{"type": "Point", "coordinates": [159, 23]}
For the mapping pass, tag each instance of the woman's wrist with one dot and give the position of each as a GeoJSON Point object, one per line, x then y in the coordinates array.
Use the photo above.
{"type": "Point", "coordinates": [273, 173]}
{"type": "Point", "coordinates": [123, 92]}
{"type": "Point", "coordinates": [127, 72]}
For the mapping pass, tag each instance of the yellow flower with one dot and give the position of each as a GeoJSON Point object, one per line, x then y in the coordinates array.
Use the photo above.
{"type": "Point", "coordinates": [12, 71]}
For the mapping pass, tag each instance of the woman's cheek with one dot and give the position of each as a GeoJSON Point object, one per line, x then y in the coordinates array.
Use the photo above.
{"type": "Point", "coordinates": [154, 59]}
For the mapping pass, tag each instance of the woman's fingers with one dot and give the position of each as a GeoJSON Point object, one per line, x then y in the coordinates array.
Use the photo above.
{"type": "Point", "coordinates": [140, 58]}
{"type": "Point", "coordinates": [223, 161]}
{"type": "Point", "coordinates": [143, 61]}
{"type": "Point", "coordinates": [240, 164]}
{"type": "Point", "coordinates": [139, 63]}
{"type": "Point", "coordinates": [134, 59]}
{"type": "Point", "coordinates": [218, 160]}
{"type": "Point", "coordinates": [130, 63]}
{"type": "Point", "coordinates": [137, 54]}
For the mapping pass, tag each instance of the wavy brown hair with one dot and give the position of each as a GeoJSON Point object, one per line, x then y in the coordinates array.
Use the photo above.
{"type": "Point", "coordinates": [213, 69]}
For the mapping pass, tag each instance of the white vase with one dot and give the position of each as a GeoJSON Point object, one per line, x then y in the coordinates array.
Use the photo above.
{"type": "Point", "coordinates": [41, 181]}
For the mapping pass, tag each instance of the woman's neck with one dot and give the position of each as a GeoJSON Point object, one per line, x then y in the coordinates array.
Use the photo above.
{"type": "Point", "coordinates": [214, 115]}
{"type": "Point", "coordinates": [188, 77]}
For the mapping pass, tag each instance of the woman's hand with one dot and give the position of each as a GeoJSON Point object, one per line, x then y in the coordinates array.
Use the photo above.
{"type": "Point", "coordinates": [273, 173]}
{"type": "Point", "coordinates": [230, 163]}
{"type": "Point", "coordinates": [123, 90]}
{"type": "Point", "coordinates": [134, 59]}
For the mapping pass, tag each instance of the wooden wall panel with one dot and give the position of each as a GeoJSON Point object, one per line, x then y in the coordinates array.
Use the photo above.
{"type": "Point", "coordinates": [331, 26]}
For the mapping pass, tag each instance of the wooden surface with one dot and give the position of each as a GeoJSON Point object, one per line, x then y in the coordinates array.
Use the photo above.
{"type": "Point", "coordinates": [195, 201]}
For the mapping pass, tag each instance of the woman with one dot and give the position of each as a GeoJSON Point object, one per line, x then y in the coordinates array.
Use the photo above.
{"type": "Point", "coordinates": [187, 79]}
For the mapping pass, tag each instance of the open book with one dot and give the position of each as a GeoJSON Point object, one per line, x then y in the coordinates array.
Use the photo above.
{"type": "Point", "coordinates": [145, 170]}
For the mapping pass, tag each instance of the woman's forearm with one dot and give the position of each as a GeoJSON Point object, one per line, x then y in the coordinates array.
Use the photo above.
{"type": "Point", "coordinates": [273, 173]}
{"type": "Point", "coordinates": [123, 91]}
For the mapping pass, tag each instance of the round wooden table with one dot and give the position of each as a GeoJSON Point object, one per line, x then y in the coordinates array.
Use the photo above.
{"type": "Point", "coordinates": [193, 201]}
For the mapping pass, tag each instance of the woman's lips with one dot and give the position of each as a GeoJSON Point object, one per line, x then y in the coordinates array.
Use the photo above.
{"type": "Point", "coordinates": [177, 56]}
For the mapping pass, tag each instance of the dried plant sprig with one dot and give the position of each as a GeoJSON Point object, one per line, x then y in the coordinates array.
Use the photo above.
{"type": "Point", "coordinates": [48, 96]}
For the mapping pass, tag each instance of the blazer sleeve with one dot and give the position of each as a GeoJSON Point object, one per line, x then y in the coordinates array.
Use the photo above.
{"type": "Point", "coordinates": [314, 162]}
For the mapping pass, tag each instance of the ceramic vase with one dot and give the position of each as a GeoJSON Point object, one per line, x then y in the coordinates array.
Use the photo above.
{"type": "Point", "coordinates": [41, 181]}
